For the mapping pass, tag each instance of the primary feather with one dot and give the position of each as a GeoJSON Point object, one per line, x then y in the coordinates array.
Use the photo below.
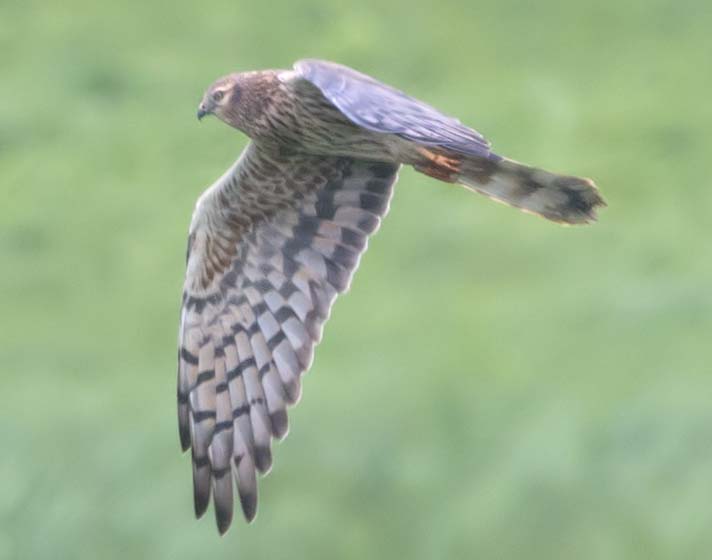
{"type": "Point", "coordinates": [260, 285]}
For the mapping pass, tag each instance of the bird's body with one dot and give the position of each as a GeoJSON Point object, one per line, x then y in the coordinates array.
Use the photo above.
{"type": "Point", "coordinates": [280, 234]}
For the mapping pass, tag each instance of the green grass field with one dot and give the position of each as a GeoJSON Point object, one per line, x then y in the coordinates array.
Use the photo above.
{"type": "Point", "coordinates": [493, 386]}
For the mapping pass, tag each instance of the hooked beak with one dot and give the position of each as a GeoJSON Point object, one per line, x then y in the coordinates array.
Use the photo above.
{"type": "Point", "coordinates": [202, 111]}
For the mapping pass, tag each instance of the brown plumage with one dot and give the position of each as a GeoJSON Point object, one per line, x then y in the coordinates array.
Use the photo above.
{"type": "Point", "coordinates": [280, 234]}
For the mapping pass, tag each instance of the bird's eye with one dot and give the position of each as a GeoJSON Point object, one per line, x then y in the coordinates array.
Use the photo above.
{"type": "Point", "coordinates": [218, 95]}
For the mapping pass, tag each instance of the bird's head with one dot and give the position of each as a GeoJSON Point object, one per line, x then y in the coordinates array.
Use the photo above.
{"type": "Point", "coordinates": [221, 98]}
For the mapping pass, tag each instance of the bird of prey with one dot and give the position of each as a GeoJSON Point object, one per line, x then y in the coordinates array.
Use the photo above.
{"type": "Point", "coordinates": [279, 235]}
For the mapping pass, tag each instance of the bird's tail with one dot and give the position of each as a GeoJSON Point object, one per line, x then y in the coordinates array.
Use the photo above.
{"type": "Point", "coordinates": [560, 198]}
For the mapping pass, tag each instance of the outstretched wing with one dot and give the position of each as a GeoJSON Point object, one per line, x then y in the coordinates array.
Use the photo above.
{"type": "Point", "coordinates": [381, 108]}
{"type": "Point", "coordinates": [271, 245]}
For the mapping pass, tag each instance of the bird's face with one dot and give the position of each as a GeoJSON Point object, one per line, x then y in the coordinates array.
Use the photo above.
{"type": "Point", "coordinates": [220, 97]}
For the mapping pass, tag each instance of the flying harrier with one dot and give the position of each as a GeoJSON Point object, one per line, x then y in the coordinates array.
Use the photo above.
{"type": "Point", "coordinates": [279, 235]}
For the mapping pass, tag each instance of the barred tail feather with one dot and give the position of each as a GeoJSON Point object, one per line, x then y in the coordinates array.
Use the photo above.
{"type": "Point", "coordinates": [559, 198]}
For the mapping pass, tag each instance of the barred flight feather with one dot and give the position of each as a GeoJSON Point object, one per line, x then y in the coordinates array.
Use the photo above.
{"type": "Point", "coordinates": [271, 245]}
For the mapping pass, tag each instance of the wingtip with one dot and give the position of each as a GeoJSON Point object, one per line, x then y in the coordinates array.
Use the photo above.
{"type": "Point", "coordinates": [222, 499]}
{"type": "Point", "coordinates": [248, 502]}
{"type": "Point", "coordinates": [183, 423]}
{"type": "Point", "coordinates": [280, 423]}
{"type": "Point", "coordinates": [223, 519]}
{"type": "Point", "coordinates": [263, 459]}
{"type": "Point", "coordinates": [184, 435]}
{"type": "Point", "coordinates": [201, 489]}
{"type": "Point", "coordinates": [200, 504]}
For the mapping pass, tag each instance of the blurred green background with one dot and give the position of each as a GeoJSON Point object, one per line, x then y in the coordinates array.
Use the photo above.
{"type": "Point", "coordinates": [494, 386]}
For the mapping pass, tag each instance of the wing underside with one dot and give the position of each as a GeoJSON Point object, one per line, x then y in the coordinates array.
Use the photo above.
{"type": "Point", "coordinates": [272, 244]}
